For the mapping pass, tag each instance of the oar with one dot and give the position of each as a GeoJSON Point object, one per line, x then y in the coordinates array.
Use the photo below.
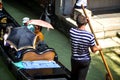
{"type": "Point", "coordinates": [101, 53]}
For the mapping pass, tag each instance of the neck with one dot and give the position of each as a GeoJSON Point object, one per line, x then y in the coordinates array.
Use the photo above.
{"type": "Point", "coordinates": [82, 27]}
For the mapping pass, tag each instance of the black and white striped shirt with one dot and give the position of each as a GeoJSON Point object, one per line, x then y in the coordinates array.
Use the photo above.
{"type": "Point", "coordinates": [81, 40]}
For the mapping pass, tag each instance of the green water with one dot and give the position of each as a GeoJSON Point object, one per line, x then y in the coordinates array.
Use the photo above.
{"type": "Point", "coordinates": [61, 44]}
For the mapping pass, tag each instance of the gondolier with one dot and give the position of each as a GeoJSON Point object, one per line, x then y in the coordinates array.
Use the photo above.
{"type": "Point", "coordinates": [81, 41]}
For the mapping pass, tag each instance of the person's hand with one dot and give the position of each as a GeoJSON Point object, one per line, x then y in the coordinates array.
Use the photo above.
{"type": "Point", "coordinates": [99, 47]}
{"type": "Point", "coordinates": [87, 19]}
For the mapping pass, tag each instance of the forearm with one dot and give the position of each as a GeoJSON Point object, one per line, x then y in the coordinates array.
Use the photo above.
{"type": "Point", "coordinates": [95, 48]}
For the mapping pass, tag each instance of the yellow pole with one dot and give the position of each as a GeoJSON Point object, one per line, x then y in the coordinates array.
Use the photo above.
{"type": "Point", "coordinates": [101, 53]}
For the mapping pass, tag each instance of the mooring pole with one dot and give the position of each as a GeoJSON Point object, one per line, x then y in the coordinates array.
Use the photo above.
{"type": "Point", "coordinates": [100, 51]}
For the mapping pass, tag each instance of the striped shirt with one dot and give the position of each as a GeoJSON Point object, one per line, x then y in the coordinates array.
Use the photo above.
{"type": "Point", "coordinates": [81, 40]}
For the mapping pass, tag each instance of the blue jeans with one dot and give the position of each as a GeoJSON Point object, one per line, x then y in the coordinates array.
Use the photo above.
{"type": "Point", "coordinates": [79, 69]}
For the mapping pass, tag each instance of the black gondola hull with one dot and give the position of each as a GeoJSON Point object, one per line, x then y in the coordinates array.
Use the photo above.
{"type": "Point", "coordinates": [61, 73]}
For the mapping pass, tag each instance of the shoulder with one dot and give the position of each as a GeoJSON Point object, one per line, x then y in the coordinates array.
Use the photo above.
{"type": "Point", "coordinates": [74, 29]}
{"type": "Point", "coordinates": [89, 35]}
{"type": "Point", "coordinates": [39, 33]}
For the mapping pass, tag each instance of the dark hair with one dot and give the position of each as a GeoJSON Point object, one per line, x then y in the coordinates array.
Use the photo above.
{"type": "Point", "coordinates": [81, 20]}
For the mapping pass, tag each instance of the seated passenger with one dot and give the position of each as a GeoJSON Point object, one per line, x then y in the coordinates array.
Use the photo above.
{"type": "Point", "coordinates": [38, 51]}
{"type": "Point", "coordinates": [39, 33]}
{"type": "Point", "coordinates": [24, 21]}
{"type": "Point", "coordinates": [35, 28]}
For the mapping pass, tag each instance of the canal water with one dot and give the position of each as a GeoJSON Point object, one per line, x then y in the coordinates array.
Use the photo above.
{"type": "Point", "coordinates": [61, 44]}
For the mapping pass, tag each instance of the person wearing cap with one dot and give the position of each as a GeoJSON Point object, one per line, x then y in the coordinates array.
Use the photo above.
{"type": "Point", "coordinates": [25, 24]}
{"type": "Point", "coordinates": [25, 20]}
{"type": "Point", "coordinates": [34, 28]}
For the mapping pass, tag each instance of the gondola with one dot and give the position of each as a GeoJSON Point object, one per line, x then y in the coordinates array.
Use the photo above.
{"type": "Point", "coordinates": [8, 56]}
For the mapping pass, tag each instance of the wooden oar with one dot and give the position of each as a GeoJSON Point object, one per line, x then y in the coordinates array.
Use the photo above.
{"type": "Point", "coordinates": [101, 53]}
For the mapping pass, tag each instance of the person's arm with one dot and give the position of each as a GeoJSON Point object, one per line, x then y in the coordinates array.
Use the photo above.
{"type": "Point", "coordinates": [95, 48]}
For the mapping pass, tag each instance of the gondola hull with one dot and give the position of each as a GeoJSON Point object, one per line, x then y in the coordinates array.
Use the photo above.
{"type": "Point", "coordinates": [61, 73]}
